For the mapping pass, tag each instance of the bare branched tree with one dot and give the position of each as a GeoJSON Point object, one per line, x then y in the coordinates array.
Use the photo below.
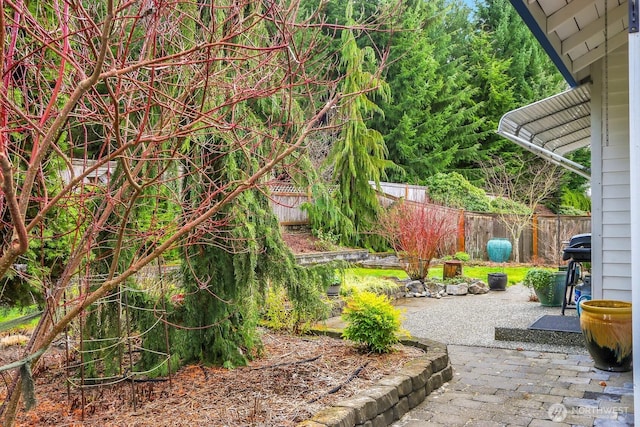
{"type": "Point", "coordinates": [137, 91]}
{"type": "Point", "coordinates": [529, 183]}
{"type": "Point", "coordinates": [418, 232]}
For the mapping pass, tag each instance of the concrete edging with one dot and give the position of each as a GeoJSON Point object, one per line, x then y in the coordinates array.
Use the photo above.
{"type": "Point", "coordinates": [539, 336]}
{"type": "Point", "coordinates": [393, 395]}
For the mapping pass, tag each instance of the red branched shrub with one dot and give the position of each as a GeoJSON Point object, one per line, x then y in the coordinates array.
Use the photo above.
{"type": "Point", "coordinates": [417, 232]}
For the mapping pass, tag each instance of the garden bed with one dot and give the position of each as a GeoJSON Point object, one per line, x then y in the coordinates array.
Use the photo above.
{"type": "Point", "coordinates": [288, 385]}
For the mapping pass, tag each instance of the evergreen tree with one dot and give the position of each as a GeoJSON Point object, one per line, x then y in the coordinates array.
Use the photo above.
{"type": "Point", "coordinates": [514, 71]}
{"type": "Point", "coordinates": [220, 284]}
{"type": "Point", "coordinates": [226, 273]}
{"type": "Point", "coordinates": [431, 121]}
{"type": "Point", "coordinates": [496, 92]}
{"type": "Point", "coordinates": [359, 154]}
{"type": "Point", "coordinates": [534, 75]}
{"type": "Point", "coordinates": [229, 261]}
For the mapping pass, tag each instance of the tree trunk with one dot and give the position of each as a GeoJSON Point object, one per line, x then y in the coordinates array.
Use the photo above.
{"type": "Point", "coordinates": [516, 247]}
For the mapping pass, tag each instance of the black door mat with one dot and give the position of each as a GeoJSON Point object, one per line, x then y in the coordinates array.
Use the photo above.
{"type": "Point", "coordinates": [557, 323]}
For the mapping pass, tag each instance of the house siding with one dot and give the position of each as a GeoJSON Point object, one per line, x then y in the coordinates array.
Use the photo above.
{"type": "Point", "coordinates": [611, 225]}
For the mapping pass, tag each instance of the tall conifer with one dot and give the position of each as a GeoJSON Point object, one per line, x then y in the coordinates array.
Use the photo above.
{"type": "Point", "coordinates": [359, 154]}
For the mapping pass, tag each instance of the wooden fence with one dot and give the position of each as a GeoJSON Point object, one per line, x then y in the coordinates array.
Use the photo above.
{"type": "Point", "coordinates": [286, 199]}
{"type": "Point", "coordinates": [541, 241]}
{"type": "Point", "coordinates": [286, 205]}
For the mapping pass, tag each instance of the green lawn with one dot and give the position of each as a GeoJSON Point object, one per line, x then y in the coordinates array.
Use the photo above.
{"type": "Point", "coordinates": [514, 274]}
{"type": "Point", "coordinates": [10, 316]}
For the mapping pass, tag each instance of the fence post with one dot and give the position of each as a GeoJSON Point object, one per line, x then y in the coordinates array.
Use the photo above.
{"type": "Point", "coordinates": [461, 242]}
{"type": "Point", "coordinates": [534, 232]}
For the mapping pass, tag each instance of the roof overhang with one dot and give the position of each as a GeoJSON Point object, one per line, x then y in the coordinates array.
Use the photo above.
{"type": "Point", "coordinates": [553, 127]}
{"type": "Point", "coordinates": [575, 34]}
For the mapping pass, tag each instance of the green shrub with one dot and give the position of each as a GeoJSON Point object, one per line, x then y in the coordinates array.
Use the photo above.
{"type": "Point", "coordinates": [372, 321]}
{"type": "Point", "coordinates": [277, 313]}
{"type": "Point", "coordinates": [456, 280]}
{"type": "Point", "coordinates": [576, 199]}
{"type": "Point", "coordinates": [453, 189]}
{"type": "Point", "coordinates": [328, 241]}
{"type": "Point", "coordinates": [538, 278]}
{"type": "Point", "coordinates": [462, 256]}
{"type": "Point", "coordinates": [353, 284]}
{"type": "Point", "coordinates": [502, 205]}
{"type": "Point", "coordinates": [570, 210]}
{"type": "Point", "coordinates": [541, 280]}
{"type": "Point", "coordinates": [282, 315]}
{"type": "Point", "coordinates": [359, 272]}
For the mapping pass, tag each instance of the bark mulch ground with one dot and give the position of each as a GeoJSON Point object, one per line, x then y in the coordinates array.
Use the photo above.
{"type": "Point", "coordinates": [293, 379]}
{"type": "Point", "coordinates": [296, 377]}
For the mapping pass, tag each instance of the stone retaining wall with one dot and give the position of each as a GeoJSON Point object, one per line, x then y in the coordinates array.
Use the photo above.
{"type": "Point", "coordinates": [349, 255]}
{"type": "Point", "coordinates": [394, 395]}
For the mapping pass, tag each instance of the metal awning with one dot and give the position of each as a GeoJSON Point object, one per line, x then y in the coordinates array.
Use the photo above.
{"type": "Point", "coordinates": [553, 127]}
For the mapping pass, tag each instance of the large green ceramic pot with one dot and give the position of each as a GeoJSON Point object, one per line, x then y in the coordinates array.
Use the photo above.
{"type": "Point", "coordinates": [499, 249]}
{"type": "Point", "coordinates": [606, 327]}
{"type": "Point", "coordinates": [553, 293]}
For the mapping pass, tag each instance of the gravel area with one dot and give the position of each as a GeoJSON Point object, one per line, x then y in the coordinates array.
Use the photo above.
{"type": "Point", "coordinates": [471, 319]}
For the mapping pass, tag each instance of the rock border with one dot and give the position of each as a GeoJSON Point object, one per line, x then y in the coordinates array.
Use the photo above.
{"type": "Point", "coordinates": [393, 395]}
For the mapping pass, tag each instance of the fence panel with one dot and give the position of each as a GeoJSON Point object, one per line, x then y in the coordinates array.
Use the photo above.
{"type": "Point", "coordinates": [478, 229]}
{"type": "Point", "coordinates": [548, 233]}
{"type": "Point", "coordinates": [554, 231]}
{"type": "Point", "coordinates": [286, 207]}
{"type": "Point", "coordinates": [551, 234]}
{"type": "Point", "coordinates": [415, 193]}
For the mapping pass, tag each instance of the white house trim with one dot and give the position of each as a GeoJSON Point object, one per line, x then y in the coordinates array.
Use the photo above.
{"type": "Point", "coordinates": [634, 175]}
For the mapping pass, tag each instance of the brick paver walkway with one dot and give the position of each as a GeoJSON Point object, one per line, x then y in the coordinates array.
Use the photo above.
{"type": "Point", "coordinates": [504, 387]}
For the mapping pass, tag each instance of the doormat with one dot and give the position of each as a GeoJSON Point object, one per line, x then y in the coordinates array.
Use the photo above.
{"type": "Point", "coordinates": [557, 323]}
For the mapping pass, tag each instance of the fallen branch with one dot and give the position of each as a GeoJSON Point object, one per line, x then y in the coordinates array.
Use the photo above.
{"type": "Point", "coordinates": [92, 382]}
{"type": "Point", "coordinates": [338, 387]}
{"type": "Point", "coordinates": [298, 362]}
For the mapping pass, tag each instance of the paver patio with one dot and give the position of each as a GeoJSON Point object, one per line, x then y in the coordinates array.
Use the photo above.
{"type": "Point", "coordinates": [505, 387]}
{"type": "Point", "coordinates": [508, 383]}
{"type": "Point", "coordinates": [504, 383]}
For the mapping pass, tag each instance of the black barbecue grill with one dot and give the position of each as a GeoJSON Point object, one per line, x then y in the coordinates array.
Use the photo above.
{"type": "Point", "coordinates": [577, 251]}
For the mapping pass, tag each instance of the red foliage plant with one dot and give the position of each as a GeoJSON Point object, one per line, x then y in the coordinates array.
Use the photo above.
{"type": "Point", "coordinates": [417, 232]}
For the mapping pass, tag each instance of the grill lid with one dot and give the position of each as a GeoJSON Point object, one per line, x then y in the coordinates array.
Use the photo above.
{"type": "Point", "coordinates": [579, 248]}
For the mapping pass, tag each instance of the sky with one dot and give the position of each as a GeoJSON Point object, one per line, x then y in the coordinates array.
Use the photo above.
{"type": "Point", "coordinates": [470, 3]}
